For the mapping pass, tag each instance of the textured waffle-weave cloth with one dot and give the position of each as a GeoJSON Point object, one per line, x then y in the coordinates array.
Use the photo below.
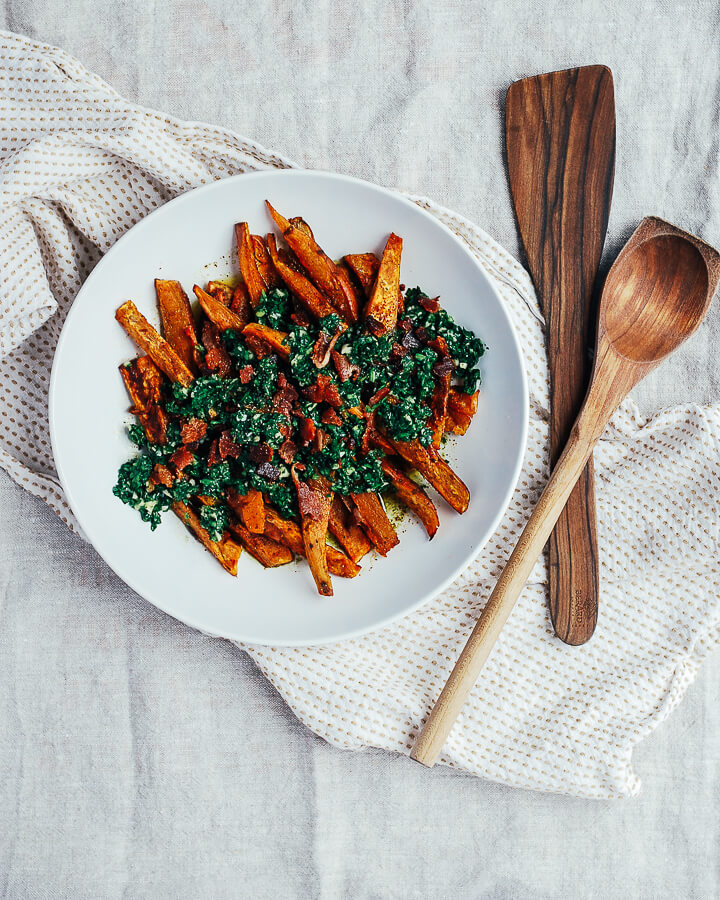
{"type": "Point", "coordinates": [79, 166]}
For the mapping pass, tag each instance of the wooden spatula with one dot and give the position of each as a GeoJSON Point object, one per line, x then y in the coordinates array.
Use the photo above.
{"type": "Point", "coordinates": [560, 135]}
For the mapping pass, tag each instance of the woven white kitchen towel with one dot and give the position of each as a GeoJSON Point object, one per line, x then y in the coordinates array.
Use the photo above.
{"type": "Point", "coordinates": [78, 166]}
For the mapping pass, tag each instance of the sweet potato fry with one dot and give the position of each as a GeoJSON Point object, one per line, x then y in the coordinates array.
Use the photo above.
{"type": "Point", "coordinates": [177, 320]}
{"type": "Point", "coordinates": [226, 551]}
{"type": "Point", "coordinates": [249, 508]}
{"type": "Point", "coordinates": [156, 347]}
{"type": "Point", "coordinates": [219, 314]}
{"type": "Point", "coordinates": [143, 381]}
{"type": "Point", "coordinates": [442, 373]}
{"type": "Point", "coordinates": [375, 522]}
{"type": "Point", "coordinates": [348, 534]}
{"type": "Point", "coordinates": [304, 290]}
{"type": "Point", "coordinates": [381, 310]}
{"type": "Point", "coordinates": [460, 411]}
{"type": "Point", "coordinates": [240, 303]}
{"type": "Point", "coordinates": [413, 496]}
{"type": "Point", "coordinates": [314, 502]}
{"type": "Point", "coordinates": [264, 264]}
{"type": "Point", "coordinates": [434, 468]}
{"type": "Point", "coordinates": [276, 340]}
{"type": "Point", "coordinates": [266, 551]}
{"type": "Point", "coordinates": [248, 266]}
{"type": "Point", "coordinates": [288, 533]}
{"type": "Point", "coordinates": [220, 291]}
{"type": "Point", "coordinates": [365, 268]}
{"type": "Point", "coordinates": [300, 223]}
{"type": "Point", "coordinates": [323, 272]}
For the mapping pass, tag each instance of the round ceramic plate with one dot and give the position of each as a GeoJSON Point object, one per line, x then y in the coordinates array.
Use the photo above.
{"type": "Point", "coordinates": [191, 239]}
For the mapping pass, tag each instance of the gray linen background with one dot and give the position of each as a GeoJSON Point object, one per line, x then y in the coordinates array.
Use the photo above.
{"type": "Point", "coordinates": [214, 790]}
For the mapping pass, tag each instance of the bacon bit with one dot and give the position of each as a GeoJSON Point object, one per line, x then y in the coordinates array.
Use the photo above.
{"type": "Point", "coordinates": [428, 304]}
{"type": "Point", "coordinates": [300, 316]}
{"type": "Point", "coordinates": [269, 471]}
{"type": "Point", "coordinates": [368, 435]}
{"type": "Point", "coordinates": [240, 303]}
{"type": "Point", "coordinates": [330, 417]}
{"type": "Point", "coordinates": [323, 348]}
{"type": "Point", "coordinates": [182, 458]}
{"type": "Point", "coordinates": [321, 440]}
{"type": "Point", "coordinates": [161, 475]}
{"type": "Point", "coordinates": [323, 391]}
{"type": "Point", "coordinates": [380, 395]}
{"type": "Point", "coordinates": [401, 288]}
{"type": "Point", "coordinates": [258, 347]}
{"type": "Point", "coordinates": [287, 451]}
{"type": "Point", "coordinates": [213, 454]}
{"type": "Point", "coordinates": [227, 446]}
{"type": "Point", "coordinates": [216, 359]}
{"type": "Point", "coordinates": [307, 430]}
{"type": "Point", "coordinates": [443, 366]}
{"type": "Point", "coordinates": [410, 341]}
{"type": "Point", "coordinates": [310, 502]}
{"type": "Point", "coordinates": [398, 351]}
{"type": "Point", "coordinates": [193, 430]}
{"type": "Point", "coordinates": [375, 327]}
{"type": "Point", "coordinates": [260, 453]}
{"type": "Point", "coordinates": [246, 373]}
{"type": "Point", "coordinates": [405, 325]}
{"type": "Point", "coordinates": [343, 366]}
{"type": "Point", "coordinates": [421, 334]}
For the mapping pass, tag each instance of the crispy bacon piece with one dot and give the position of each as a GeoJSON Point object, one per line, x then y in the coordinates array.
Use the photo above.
{"type": "Point", "coordinates": [429, 304]}
{"type": "Point", "coordinates": [192, 430]}
{"type": "Point", "coordinates": [321, 440]}
{"type": "Point", "coordinates": [323, 272]}
{"type": "Point", "coordinates": [276, 341]}
{"type": "Point", "coordinates": [378, 396]}
{"type": "Point", "coordinates": [143, 382]}
{"type": "Point", "coordinates": [245, 374]}
{"type": "Point", "coordinates": [330, 417]}
{"type": "Point", "coordinates": [162, 475]}
{"type": "Point", "coordinates": [307, 429]}
{"type": "Point", "coordinates": [214, 453]}
{"type": "Point", "coordinates": [216, 360]}
{"type": "Point", "coordinates": [248, 265]}
{"type": "Point", "coordinates": [156, 347]}
{"type": "Point", "coordinates": [314, 502]}
{"type": "Point", "coordinates": [264, 264]}
{"type": "Point", "coordinates": [382, 306]}
{"type": "Point", "coordinates": [375, 522]}
{"type": "Point", "coordinates": [300, 286]}
{"type": "Point", "coordinates": [348, 533]}
{"type": "Point", "coordinates": [413, 496]}
{"type": "Point", "coordinates": [265, 550]}
{"type": "Point", "coordinates": [178, 323]}
{"type": "Point", "coordinates": [323, 348]}
{"type": "Point", "coordinates": [226, 551]}
{"type": "Point", "coordinates": [220, 291]}
{"type": "Point", "coordinates": [324, 391]}
{"type": "Point", "coordinates": [227, 446]}
{"type": "Point", "coordinates": [343, 366]}
{"type": "Point", "coordinates": [222, 317]}
{"type": "Point", "coordinates": [240, 304]}
{"type": "Point", "coordinates": [287, 451]}
{"type": "Point", "coordinates": [182, 458]}
{"type": "Point", "coordinates": [288, 533]}
{"type": "Point", "coordinates": [442, 372]}
{"type": "Point", "coordinates": [249, 508]}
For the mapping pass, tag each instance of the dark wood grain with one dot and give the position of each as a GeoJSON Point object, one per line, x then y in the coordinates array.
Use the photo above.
{"type": "Point", "coordinates": [560, 135]}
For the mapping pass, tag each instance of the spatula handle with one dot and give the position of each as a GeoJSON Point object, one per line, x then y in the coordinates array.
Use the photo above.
{"type": "Point", "coordinates": [517, 571]}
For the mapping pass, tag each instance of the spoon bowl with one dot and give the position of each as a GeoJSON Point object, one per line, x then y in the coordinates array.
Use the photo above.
{"type": "Point", "coordinates": [655, 297]}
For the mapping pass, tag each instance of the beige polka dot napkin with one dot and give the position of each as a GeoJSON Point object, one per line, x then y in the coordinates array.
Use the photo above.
{"type": "Point", "coordinates": [78, 166]}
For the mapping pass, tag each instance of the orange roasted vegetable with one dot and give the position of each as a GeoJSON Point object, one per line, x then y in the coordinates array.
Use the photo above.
{"type": "Point", "coordinates": [156, 347]}
{"type": "Point", "coordinates": [178, 323]}
{"type": "Point", "coordinates": [375, 522]}
{"type": "Point", "coordinates": [276, 341]}
{"type": "Point", "coordinates": [219, 314]}
{"type": "Point", "coordinates": [265, 550]}
{"type": "Point", "coordinates": [288, 533]}
{"type": "Point", "coordinates": [220, 291]}
{"type": "Point", "coordinates": [263, 263]}
{"type": "Point", "coordinates": [442, 372]}
{"type": "Point", "coordinates": [381, 310]}
{"type": "Point", "coordinates": [304, 290]}
{"type": "Point", "coordinates": [143, 381]}
{"type": "Point", "coordinates": [249, 508]}
{"type": "Point", "coordinates": [434, 469]}
{"type": "Point", "coordinates": [348, 534]}
{"type": "Point", "coordinates": [225, 551]}
{"type": "Point", "coordinates": [365, 268]}
{"type": "Point", "coordinates": [314, 502]}
{"type": "Point", "coordinates": [413, 496]}
{"type": "Point", "coordinates": [248, 264]}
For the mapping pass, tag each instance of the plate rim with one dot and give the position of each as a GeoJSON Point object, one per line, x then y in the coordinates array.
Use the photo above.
{"type": "Point", "coordinates": [517, 469]}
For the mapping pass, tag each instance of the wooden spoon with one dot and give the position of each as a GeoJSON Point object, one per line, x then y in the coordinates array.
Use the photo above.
{"type": "Point", "coordinates": [560, 139]}
{"type": "Point", "coordinates": [655, 296]}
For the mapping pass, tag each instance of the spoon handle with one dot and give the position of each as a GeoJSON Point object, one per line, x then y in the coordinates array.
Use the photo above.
{"type": "Point", "coordinates": [517, 571]}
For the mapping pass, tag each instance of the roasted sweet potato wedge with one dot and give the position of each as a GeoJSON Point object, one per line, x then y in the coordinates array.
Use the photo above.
{"type": "Point", "coordinates": [314, 502]}
{"type": "Point", "coordinates": [365, 268]}
{"type": "Point", "coordinates": [460, 411]}
{"type": "Point", "coordinates": [277, 341]}
{"type": "Point", "coordinates": [143, 381]}
{"type": "Point", "coordinates": [288, 533]}
{"type": "Point", "coordinates": [442, 372]}
{"type": "Point", "coordinates": [348, 534]}
{"type": "Point", "coordinates": [435, 470]}
{"type": "Point", "coordinates": [219, 314]}
{"type": "Point", "coordinates": [381, 310]}
{"type": "Point", "coordinates": [249, 508]}
{"type": "Point", "coordinates": [264, 264]}
{"type": "Point", "coordinates": [301, 287]}
{"type": "Point", "coordinates": [240, 303]}
{"type": "Point", "coordinates": [220, 291]}
{"type": "Point", "coordinates": [265, 550]}
{"type": "Point", "coordinates": [375, 522]}
{"type": "Point", "coordinates": [156, 347]}
{"type": "Point", "coordinates": [248, 265]}
{"type": "Point", "coordinates": [226, 551]}
{"type": "Point", "coordinates": [300, 223]}
{"type": "Point", "coordinates": [178, 323]}
{"type": "Point", "coordinates": [413, 496]}
{"type": "Point", "coordinates": [322, 271]}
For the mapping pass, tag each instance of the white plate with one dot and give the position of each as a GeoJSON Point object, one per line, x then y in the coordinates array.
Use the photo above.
{"type": "Point", "coordinates": [191, 239]}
